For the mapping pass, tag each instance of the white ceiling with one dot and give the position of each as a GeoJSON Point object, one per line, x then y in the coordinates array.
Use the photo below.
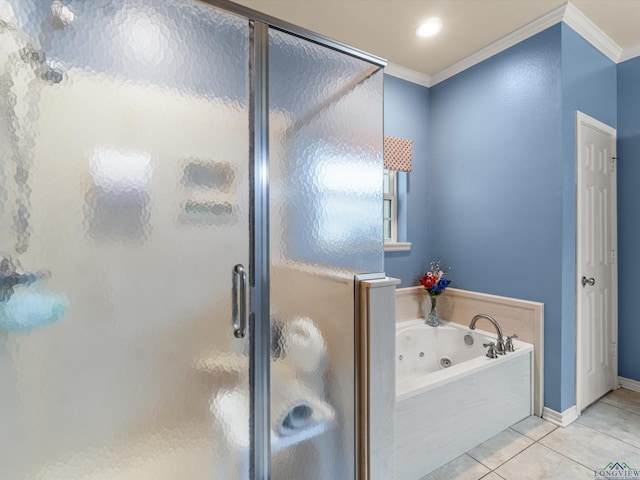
{"type": "Point", "coordinates": [386, 27]}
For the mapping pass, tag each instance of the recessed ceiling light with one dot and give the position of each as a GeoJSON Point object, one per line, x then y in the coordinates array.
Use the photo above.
{"type": "Point", "coordinates": [429, 28]}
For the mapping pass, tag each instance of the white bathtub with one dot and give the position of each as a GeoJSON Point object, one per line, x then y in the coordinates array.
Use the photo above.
{"type": "Point", "coordinates": [442, 412]}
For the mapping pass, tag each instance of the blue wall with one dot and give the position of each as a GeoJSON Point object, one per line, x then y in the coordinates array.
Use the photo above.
{"type": "Point", "coordinates": [502, 179]}
{"type": "Point", "coordinates": [501, 183]}
{"type": "Point", "coordinates": [589, 85]}
{"type": "Point", "coordinates": [496, 181]}
{"type": "Point", "coordinates": [628, 221]}
{"type": "Point", "coordinates": [406, 107]}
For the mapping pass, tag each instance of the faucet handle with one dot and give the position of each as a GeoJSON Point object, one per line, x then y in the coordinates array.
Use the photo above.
{"type": "Point", "coordinates": [491, 353]}
{"type": "Point", "coordinates": [509, 343]}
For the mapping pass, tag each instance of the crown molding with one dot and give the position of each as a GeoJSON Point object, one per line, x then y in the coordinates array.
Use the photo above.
{"type": "Point", "coordinates": [408, 74]}
{"type": "Point", "coordinates": [629, 53]}
{"type": "Point", "coordinates": [552, 18]}
{"type": "Point", "coordinates": [591, 33]}
{"type": "Point", "coordinates": [567, 13]}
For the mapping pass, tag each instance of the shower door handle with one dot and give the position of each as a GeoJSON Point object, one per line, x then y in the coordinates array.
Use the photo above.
{"type": "Point", "coordinates": [239, 307]}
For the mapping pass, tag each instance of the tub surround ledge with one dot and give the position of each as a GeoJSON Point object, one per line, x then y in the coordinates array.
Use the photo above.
{"type": "Point", "coordinates": [376, 366]}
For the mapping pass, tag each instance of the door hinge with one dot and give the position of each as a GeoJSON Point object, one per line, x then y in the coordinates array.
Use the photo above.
{"type": "Point", "coordinates": [613, 256]}
{"type": "Point", "coordinates": [613, 349]}
{"type": "Point", "coordinates": [613, 164]}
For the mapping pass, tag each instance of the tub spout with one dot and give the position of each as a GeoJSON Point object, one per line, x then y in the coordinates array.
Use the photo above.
{"type": "Point", "coordinates": [500, 343]}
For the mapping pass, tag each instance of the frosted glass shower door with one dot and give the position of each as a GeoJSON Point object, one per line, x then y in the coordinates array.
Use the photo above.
{"type": "Point", "coordinates": [124, 208]}
{"type": "Point", "coordinates": [325, 227]}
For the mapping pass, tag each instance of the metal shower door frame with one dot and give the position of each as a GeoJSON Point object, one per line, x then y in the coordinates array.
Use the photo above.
{"type": "Point", "coordinates": [260, 317]}
{"type": "Point", "coordinates": [259, 265]}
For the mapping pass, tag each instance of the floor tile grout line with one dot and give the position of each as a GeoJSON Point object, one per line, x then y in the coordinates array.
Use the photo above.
{"type": "Point", "coordinates": [549, 448]}
{"type": "Point", "coordinates": [568, 458]}
{"type": "Point", "coordinates": [538, 441]}
{"type": "Point", "coordinates": [545, 435]}
{"type": "Point", "coordinates": [562, 454]}
{"type": "Point", "coordinates": [621, 408]}
{"type": "Point", "coordinates": [495, 473]}
{"type": "Point", "coordinates": [534, 441]}
{"type": "Point", "coordinates": [511, 458]}
{"type": "Point", "coordinates": [616, 405]}
{"type": "Point", "coordinates": [610, 436]}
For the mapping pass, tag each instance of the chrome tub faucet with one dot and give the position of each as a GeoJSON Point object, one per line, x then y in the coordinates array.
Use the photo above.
{"type": "Point", "coordinates": [500, 346]}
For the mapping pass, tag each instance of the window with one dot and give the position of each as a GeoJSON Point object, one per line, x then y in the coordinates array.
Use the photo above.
{"type": "Point", "coordinates": [390, 216]}
{"type": "Point", "coordinates": [390, 213]}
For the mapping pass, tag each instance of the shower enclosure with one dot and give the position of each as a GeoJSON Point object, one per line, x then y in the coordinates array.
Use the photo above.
{"type": "Point", "coordinates": [187, 192]}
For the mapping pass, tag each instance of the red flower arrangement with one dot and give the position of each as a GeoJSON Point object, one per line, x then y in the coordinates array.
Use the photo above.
{"type": "Point", "coordinates": [434, 280]}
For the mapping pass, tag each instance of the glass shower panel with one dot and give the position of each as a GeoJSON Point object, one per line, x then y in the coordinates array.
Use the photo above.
{"type": "Point", "coordinates": [325, 227]}
{"type": "Point", "coordinates": [124, 206]}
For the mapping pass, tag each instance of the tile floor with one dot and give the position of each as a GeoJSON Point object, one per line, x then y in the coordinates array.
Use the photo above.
{"type": "Point", "coordinates": [534, 449]}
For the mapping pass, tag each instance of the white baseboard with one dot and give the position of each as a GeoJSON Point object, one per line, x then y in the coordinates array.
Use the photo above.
{"type": "Point", "coordinates": [570, 415]}
{"type": "Point", "coordinates": [629, 384]}
{"type": "Point", "coordinates": [563, 419]}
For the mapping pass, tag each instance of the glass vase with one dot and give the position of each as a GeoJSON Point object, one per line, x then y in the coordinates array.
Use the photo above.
{"type": "Point", "coordinates": [432, 318]}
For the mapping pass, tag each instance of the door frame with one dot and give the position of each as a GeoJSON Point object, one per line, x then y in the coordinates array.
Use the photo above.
{"type": "Point", "coordinates": [585, 121]}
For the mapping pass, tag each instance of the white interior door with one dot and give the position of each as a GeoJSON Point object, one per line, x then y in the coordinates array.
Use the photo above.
{"type": "Point", "coordinates": [597, 292]}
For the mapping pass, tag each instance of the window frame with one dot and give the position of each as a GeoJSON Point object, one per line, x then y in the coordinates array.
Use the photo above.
{"type": "Point", "coordinates": [392, 197]}
{"type": "Point", "coordinates": [392, 244]}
